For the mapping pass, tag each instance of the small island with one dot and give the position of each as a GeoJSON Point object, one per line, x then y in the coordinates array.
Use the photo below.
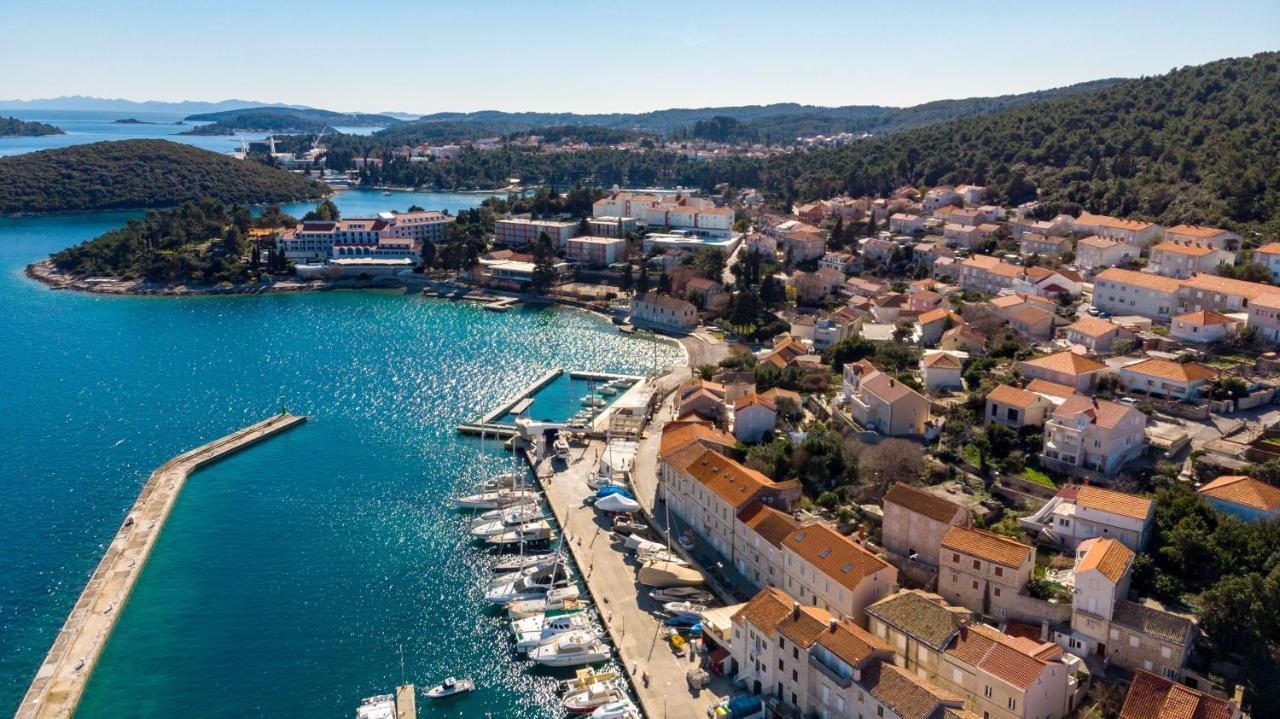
{"type": "Point", "coordinates": [133, 121]}
{"type": "Point", "coordinates": [13, 127]}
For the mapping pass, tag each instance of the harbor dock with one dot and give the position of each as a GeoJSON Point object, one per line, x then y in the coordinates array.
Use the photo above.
{"type": "Point", "coordinates": [406, 702]}
{"type": "Point", "coordinates": [625, 607]}
{"type": "Point", "coordinates": [60, 681]}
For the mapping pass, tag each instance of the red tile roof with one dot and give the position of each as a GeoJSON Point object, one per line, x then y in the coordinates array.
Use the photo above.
{"type": "Point", "coordinates": [922, 502]}
{"type": "Point", "coordinates": [834, 554]}
{"type": "Point", "coordinates": [1245, 491]}
{"type": "Point", "coordinates": [988, 545]}
{"type": "Point", "coordinates": [1152, 697]}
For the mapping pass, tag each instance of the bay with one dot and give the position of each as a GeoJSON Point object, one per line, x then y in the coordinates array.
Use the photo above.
{"type": "Point", "coordinates": [288, 577]}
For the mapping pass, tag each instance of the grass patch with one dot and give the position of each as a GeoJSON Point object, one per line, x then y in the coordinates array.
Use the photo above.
{"type": "Point", "coordinates": [970, 454]}
{"type": "Point", "coordinates": [1038, 476]}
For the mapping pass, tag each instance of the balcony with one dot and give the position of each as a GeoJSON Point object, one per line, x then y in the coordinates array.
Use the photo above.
{"type": "Point", "coordinates": [841, 681]}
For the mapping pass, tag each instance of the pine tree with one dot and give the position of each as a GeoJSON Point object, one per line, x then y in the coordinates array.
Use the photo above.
{"type": "Point", "coordinates": [642, 285]}
{"type": "Point", "coordinates": [628, 281]}
{"type": "Point", "coordinates": [837, 233]}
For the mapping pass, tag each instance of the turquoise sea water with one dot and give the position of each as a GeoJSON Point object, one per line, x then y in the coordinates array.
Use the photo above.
{"type": "Point", "coordinates": [288, 576]}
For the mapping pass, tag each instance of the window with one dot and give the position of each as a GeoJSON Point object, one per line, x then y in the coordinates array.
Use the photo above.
{"type": "Point", "coordinates": [999, 571]}
{"type": "Point", "coordinates": [955, 558]}
{"type": "Point", "coordinates": [977, 564]}
{"type": "Point", "coordinates": [986, 691]}
{"type": "Point", "coordinates": [1133, 641]}
{"type": "Point", "coordinates": [1165, 652]}
{"type": "Point", "coordinates": [997, 591]}
{"type": "Point", "coordinates": [975, 584]}
{"type": "Point", "coordinates": [1012, 704]}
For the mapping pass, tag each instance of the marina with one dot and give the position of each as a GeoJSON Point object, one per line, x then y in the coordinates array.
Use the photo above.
{"type": "Point", "coordinates": [61, 679]}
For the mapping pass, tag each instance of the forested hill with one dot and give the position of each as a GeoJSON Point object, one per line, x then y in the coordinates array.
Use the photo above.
{"type": "Point", "coordinates": [139, 173]}
{"type": "Point", "coordinates": [282, 119]}
{"type": "Point", "coordinates": [1199, 144]}
{"type": "Point", "coordinates": [780, 122]}
{"type": "Point", "coordinates": [13, 127]}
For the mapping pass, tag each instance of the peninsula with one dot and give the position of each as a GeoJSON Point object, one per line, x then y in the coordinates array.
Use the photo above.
{"type": "Point", "coordinates": [130, 174]}
{"type": "Point", "coordinates": [13, 127]}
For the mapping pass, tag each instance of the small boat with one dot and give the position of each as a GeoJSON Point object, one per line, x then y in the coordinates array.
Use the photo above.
{"type": "Point", "coordinates": [509, 522]}
{"type": "Point", "coordinates": [626, 526]}
{"type": "Point", "coordinates": [614, 489]}
{"type": "Point", "coordinates": [669, 574]}
{"type": "Point", "coordinates": [450, 687]}
{"type": "Point", "coordinates": [682, 594]}
{"type": "Point", "coordinates": [524, 588]}
{"type": "Point", "coordinates": [573, 649]}
{"type": "Point", "coordinates": [662, 555]}
{"type": "Point", "coordinates": [530, 640]}
{"type": "Point", "coordinates": [493, 515]}
{"type": "Point", "coordinates": [617, 503]}
{"type": "Point", "coordinates": [558, 570]}
{"type": "Point", "coordinates": [589, 698]}
{"type": "Point", "coordinates": [495, 499]}
{"type": "Point", "coordinates": [561, 598]}
{"type": "Point", "coordinates": [608, 390]}
{"type": "Point", "coordinates": [686, 541]}
{"type": "Point", "coordinates": [600, 481]}
{"type": "Point", "coordinates": [542, 620]}
{"type": "Point", "coordinates": [561, 448]}
{"type": "Point", "coordinates": [617, 710]}
{"type": "Point", "coordinates": [636, 544]}
{"type": "Point", "coordinates": [382, 706]}
{"type": "Point", "coordinates": [539, 531]}
{"type": "Point", "coordinates": [678, 608]}
{"type": "Point", "coordinates": [502, 480]}
{"type": "Point", "coordinates": [386, 193]}
{"type": "Point", "coordinates": [543, 558]}
{"type": "Point", "coordinates": [584, 678]}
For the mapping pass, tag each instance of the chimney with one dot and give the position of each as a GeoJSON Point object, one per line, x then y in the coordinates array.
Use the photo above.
{"type": "Point", "coordinates": [831, 623]}
{"type": "Point", "coordinates": [1044, 630]}
{"type": "Point", "coordinates": [795, 610]}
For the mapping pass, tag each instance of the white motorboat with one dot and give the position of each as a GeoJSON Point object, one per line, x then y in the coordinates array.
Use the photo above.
{"type": "Point", "coordinates": [572, 649]}
{"type": "Point", "coordinates": [495, 499]}
{"type": "Point", "coordinates": [593, 696]}
{"type": "Point", "coordinates": [541, 620]}
{"type": "Point", "coordinates": [539, 531]}
{"type": "Point", "coordinates": [556, 570]}
{"type": "Point", "coordinates": [382, 706]}
{"type": "Point", "coordinates": [450, 687]}
{"type": "Point", "coordinates": [523, 588]}
{"type": "Point", "coordinates": [626, 526]}
{"type": "Point", "coordinates": [682, 594]}
{"type": "Point", "coordinates": [560, 598]}
{"type": "Point", "coordinates": [636, 544]}
{"type": "Point", "coordinates": [617, 503]}
{"type": "Point", "coordinates": [679, 608]}
{"type": "Point", "coordinates": [494, 515]}
{"type": "Point", "coordinates": [608, 390]}
{"type": "Point", "coordinates": [510, 521]}
{"type": "Point", "coordinates": [584, 678]}
{"type": "Point", "coordinates": [600, 481]}
{"type": "Point", "coordinates": [617, 710]}
{"type": "Point", "coordinates": [530, 640]}
{"type": "Point", "coordinates": [561, 447]}
{"type": "Point", "coordinates": [521, 562]}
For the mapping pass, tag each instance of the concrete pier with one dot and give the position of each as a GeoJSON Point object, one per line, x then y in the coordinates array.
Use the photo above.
{"type": "Point", "coordinates": [406, 702]}
{"type": "Point", "coordinates": [60, 681]}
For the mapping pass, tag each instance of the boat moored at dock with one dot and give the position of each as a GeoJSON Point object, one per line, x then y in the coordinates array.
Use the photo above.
{"type": "Point", "coordinates": [573, 649]}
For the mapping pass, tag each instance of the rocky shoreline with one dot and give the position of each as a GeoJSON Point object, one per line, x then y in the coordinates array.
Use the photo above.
{"type": "Point", "coordinates": [46, 273]}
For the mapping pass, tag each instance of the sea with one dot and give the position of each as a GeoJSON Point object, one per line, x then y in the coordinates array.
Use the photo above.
{"type": "Point", "coordinates": [318, 568]}
{"type": "Point", "coordinates": [82, 126]}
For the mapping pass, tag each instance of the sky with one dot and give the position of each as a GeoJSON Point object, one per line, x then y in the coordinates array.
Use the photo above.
{"type": "Point", "coordinates": [425, 56]}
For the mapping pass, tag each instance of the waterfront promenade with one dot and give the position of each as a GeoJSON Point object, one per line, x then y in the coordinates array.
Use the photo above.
{"type": "Point", "coordinates": [60, 681]}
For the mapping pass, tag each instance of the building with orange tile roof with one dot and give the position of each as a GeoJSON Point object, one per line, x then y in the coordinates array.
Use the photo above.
{"type": "Point", "coordinates": [1078, 513]}
{"type": "Point", "coordinates": [1243, 497]}
{"type": "Point", "coordinates": [1165, 378]}
{"type": "Point", "coordinates": [677, 435]}
{"type": "Point", "coordinates": [830, 570]}
{"type": "Point", "coordinates": [915, 521]}
{"type": "Point", "coordinates": [1095, 334]}
{"type": "Point", "coordinates": [1086, 433]}
{"type": "Point", "coordinates": [1264, 316]}
{"type": "Point", "coordinates": [964, 338]}
{"type": "Point", "coordinates": [1215, 237]}
{"type": "Point", "coordinates": [805, 661]}
{"type": "Point", "coordinates": [983, 571]}
{"type": "Point", "coordinates": [1269, 256]}
{"type": "Point", "coordinates": [1132, 232]}
{"type": "Point", "coordinates": [1066, 368]}
{"type": "Point", "coordinates": [886, 405]}
{"type": "Point", "coordinates": [1181, 260]}
{"type": "Point", "coordinates": [1153, 697]}
{"type": "Point", "coordinates": [1015, 407]}
{"type": "Point", "coordinates": [1033, 322]}
{"type": "Point", "coordinates": [1203, 326]}
{"type": "Point", "coordinates": [1125, 292]}
{"type": "Point", "coordinates": [707, 489]}
{"type": "Point", "coordinates": [941, 371]}
{"type": "Point", "coordinates": [997, 674]}
{"type": "Point", "coordinates": [1221, 294]}
{"type": "Point", "coordinates": [757, 543]}
{"type": "Point", "coordinates": [1056, 393]}
{"type": "Point", "coordinates": [754, 416]}
{"type": "Point", "coordinates": [1096, 251]}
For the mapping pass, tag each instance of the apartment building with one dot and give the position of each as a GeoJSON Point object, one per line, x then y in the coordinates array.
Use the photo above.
{"type": "Point", "coordinates": [829, 570]}
{"type": "Point", "coordinates": [806, 662]}
{"type": "Point", "coordinates": [1220, 294]}
{"type": "Point", "coordinates": [1098, 251]}
{"type": "Point", "coordinates": [1184, 259]}
{"type": "Point", "coordinates": [941, 371]}
{"type": "Point", "coordinates": [389, 235]}
{"type": "Point", "coordinates": [1130, 232]}
{"type": "Point", "coordinates": [707, 490]}
{"type": "Point", "coordinates": [521, 231]}
{"type": "Point", "coordinates": [1204, 326]}
{"type": "Point", "coordinates": [664, 313]}
{"type": "Point", "coordinates": [610, 226]}
{"type": "Point", "coordinates": [999, 676]}
{"type": "Point", "coordinates": [1093, 434]}
{"type": "Point", "coordinates": [1214, 237]}
{"type": "Point", "coordinates": [1125, 292]}
{"type": "Point", "coordinates": [885, 405]}
{"type": "Point", "coordinates": [1264, 316]}
{"type": "Point", "coordinates": [902, 223]}
{"type": "Point", "coordinates": [1269, 256]}
{"type": "Point", "coordinates": [595, 251]}
{"type": "Point", "coordinates": [983, 571]}
{"type": "Point", "coordinates": [939, 197]}
{"type": "Point", "coordinates": [915, 521]}
{"type": "Point", "coordinates": [988, 274]}
{"type": "Point", "coordinates": [757, 543]}
{"type": "Point", "coordinates": [1034, 243]}
{"type": "Point", "coordinates": [1095, 334]}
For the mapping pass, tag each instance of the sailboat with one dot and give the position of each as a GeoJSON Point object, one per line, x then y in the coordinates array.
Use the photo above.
{"type": "Point", "coordinates": [528, 533]}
